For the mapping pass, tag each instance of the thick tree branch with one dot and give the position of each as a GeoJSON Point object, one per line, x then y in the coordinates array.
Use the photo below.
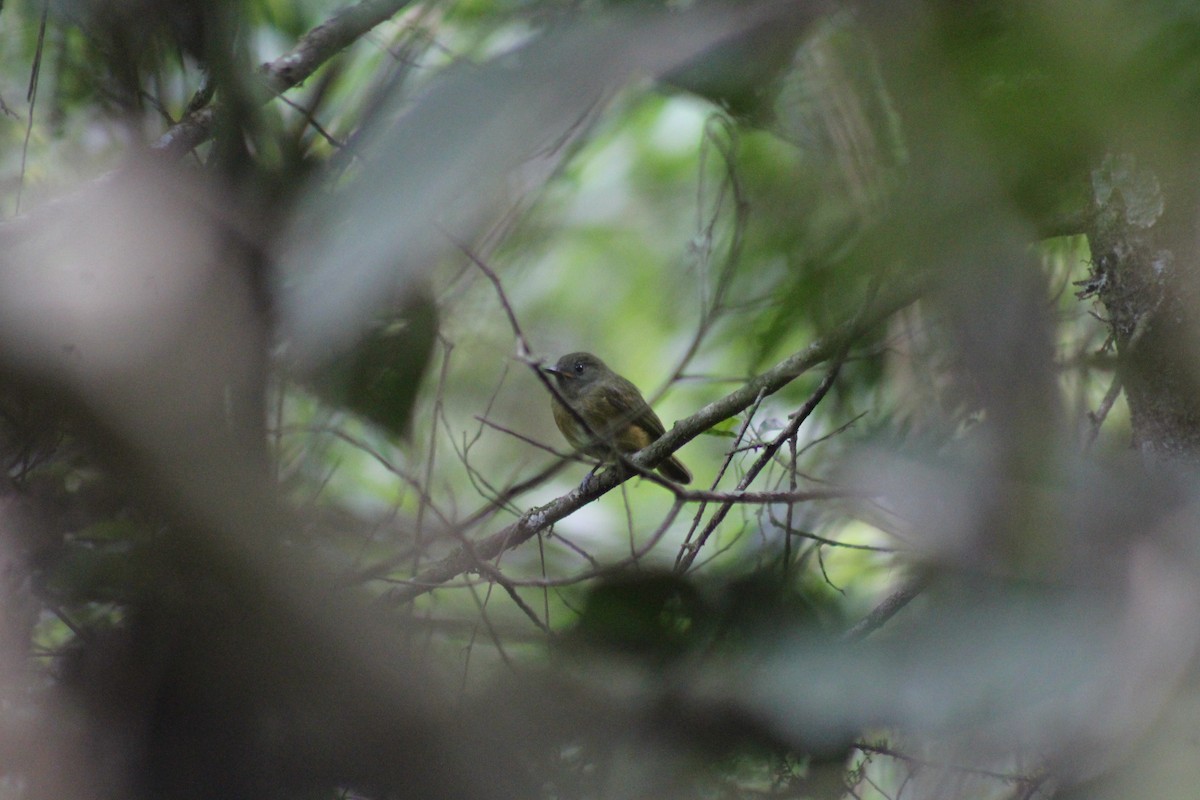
{"type": "Point", "coordinates": [327, 40]}
{"type": "Point", "coordinates": [290, 69]}
{"type": "Point", "coordinates": [538, 519]}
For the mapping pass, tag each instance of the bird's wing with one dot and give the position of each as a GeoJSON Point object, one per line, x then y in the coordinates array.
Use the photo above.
{"type": "Point", "coordinates": [638, 413]}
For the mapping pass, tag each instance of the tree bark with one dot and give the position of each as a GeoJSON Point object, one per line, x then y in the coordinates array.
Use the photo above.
{"type": "Point", "coordinates": [1144, 246]}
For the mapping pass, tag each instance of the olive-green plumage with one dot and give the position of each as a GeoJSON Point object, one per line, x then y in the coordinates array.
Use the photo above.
{"type": "Point", "coordinates": [613, 408]}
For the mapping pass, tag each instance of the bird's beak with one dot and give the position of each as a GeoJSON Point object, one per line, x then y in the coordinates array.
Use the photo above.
{"type": "Point", "coordinates": [555, 371]}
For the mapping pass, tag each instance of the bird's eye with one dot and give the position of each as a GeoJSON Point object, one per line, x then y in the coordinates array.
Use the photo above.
{"type": "Point", "coordinates": [578, 367]}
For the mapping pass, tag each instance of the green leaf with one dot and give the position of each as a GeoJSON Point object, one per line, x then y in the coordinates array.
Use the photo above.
{"type": "Point", "coordinates": [726, 428]}
{"type": "Point", "coordinates": [643, 614]}
{"type": "Point", "coordinates": [380, 377]}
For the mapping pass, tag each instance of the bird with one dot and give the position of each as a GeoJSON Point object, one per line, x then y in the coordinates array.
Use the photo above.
{"type": "Point", "coordinates": [618, 417]}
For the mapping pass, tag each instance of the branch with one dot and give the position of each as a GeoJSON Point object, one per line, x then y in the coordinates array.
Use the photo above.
{"type": "Point", "coordinates": [887, 609]}
{"type": "Point", "coordinates": [290, 69]}
{"type": "Point", "coordinates": [743, 496]}
{"type": "Point", "coordinates": [538, 519]}
{"type": "Point", "coordinates": [690, 549]}
{"type": "Point", "coordinates": [1007, 777]}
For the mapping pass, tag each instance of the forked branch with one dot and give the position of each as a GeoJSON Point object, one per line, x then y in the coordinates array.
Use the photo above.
{"type": "Point", "coordinates": [538, 519]}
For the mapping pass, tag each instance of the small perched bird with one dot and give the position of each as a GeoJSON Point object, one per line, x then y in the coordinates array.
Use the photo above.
{"type": "Point", "coordinates": [614, 409]}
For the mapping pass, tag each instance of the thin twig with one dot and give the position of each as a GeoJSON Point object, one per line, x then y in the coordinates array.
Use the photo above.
{"type": "Point", "coordinates": [496, 575]}
{"type": "Point", "coordinates": [835, 432]}
{"type": "Point", "coordinates": [614, 568]}
{"type": "Point", "coordinates": [527, 439]}
{"type": "Point", "coordinates": [824, 573]}
{"type": "Point", "coordinates": [882, 750]}
{"type": "Point", "coordinates": [311, 120]}
{"type": "Point", "coordinates": [799, 534]}
{"type": "Point", "coordinates": [796, 419]}
{"type": "Point", "coordinates": [688, 555]}
{"type": "Point", "coordinates": [1096, 418]}
{"type": "Point", "coordinates": [525, 354]}
{"type": "Point", "coordinates": [712, 307]}
{"type": "Point", "coordinates": [489, 509]}
{"type": "Point", "coordinates": [431, 457]}
{"type": "Point", "coordinates": [788, 526]}
{"type": "Point", "coordinates": [574, 548]}
{"type": "Point", "coordinates": [539, 518]}
{"type": "Point", "coordinates": [479, 481]}
{"type": "Point", "coordinates": [31, 97]}
{"type": "Point", "coordinates": [523, 350]}
{"type": "Point", "coordinates": [728, 461]}
{"type": "Point", "coordinates": [887, 609]}
{"type": "Point", "coordinates": [481, 604]}
{"type": "Point", "coordinates": [374, 453]}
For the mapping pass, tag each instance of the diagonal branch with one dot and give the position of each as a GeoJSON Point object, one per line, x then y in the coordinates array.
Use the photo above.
{"type": "Point", "coordinates": [888, 608]}
{"type": "Point", "coordinates": [690, 549]}
{"type": "Point", "coordinates": [538, 519]}
{"type": "Point", "coordinates": [290, 69]}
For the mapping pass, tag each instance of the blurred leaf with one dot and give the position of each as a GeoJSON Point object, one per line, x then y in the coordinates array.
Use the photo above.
{"type": "Point", "coordinates": [742, 75]}
{"type": "Point", "coordinates": [380, 378]}
{"type": "Point", "coordinates": [1139, 190]}
{"type": "Point", "coordinates": [436, 172]}
{"type": "Point", "coordinates": [726, 428]}
{"type": "Point", "coordinates": [660, 615]}
{"type": "Point", "coordinates": [107, 573]}
{"type": "Point", "coordinates": [653, 615]}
